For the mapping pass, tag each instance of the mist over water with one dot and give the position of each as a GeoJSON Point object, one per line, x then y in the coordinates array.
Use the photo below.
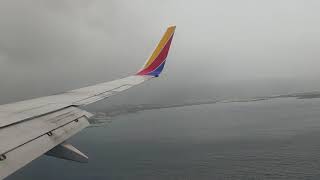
{"type": "Point", "coordinates": [109, 113]}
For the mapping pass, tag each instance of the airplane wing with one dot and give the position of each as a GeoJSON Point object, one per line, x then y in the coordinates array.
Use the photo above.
{"type": "Point", "coordinates": [39, 126]}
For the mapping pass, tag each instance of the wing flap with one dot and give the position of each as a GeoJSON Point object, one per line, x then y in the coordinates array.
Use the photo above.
{"type": "Point", "coordinates": [26, 131]}
{"type": "Point", "coordinates": [68, 152]}
{"type": "Point", "coordinates": [19, 157]}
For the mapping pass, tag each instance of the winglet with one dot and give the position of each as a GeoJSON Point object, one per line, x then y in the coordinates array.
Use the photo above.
{"type": "Point", "coordinates": [155, 64]}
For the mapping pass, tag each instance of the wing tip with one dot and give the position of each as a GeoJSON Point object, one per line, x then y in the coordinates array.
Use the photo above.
{"type": "Point", "coordinates": [156, 62]}
{"type": "Point", "coordinates": [172, 27]}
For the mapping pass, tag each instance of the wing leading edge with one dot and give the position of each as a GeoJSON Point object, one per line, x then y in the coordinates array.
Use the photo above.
{"type": "Point", "coordinates": [34, 127]}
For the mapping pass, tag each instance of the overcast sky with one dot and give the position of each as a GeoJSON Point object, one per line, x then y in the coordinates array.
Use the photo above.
{"type": "Point", "coordinates": [50, 46]}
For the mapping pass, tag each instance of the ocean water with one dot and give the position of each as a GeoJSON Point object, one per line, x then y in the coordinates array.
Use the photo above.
{"type": "Point", "coordinates": [270, 139]}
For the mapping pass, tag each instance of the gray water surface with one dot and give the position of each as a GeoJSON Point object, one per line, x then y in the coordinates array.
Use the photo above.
{"type": "Point", "coordinates": [271, 139]}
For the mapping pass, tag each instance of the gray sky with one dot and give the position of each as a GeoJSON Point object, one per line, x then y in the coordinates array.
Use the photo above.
{"type": "Point", "coordinates": [50, 46]}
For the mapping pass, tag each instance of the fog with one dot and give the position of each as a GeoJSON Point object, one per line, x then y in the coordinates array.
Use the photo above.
{"type": "Point", "coordinates": [225, 48]}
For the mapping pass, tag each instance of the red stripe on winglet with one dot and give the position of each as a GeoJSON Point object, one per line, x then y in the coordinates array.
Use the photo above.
{"type": "Point", "coordinates": [159, 60]}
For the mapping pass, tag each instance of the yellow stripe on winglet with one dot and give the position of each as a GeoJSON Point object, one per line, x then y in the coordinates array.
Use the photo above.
{"type": "Point", "coordinates": [167, 35]}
